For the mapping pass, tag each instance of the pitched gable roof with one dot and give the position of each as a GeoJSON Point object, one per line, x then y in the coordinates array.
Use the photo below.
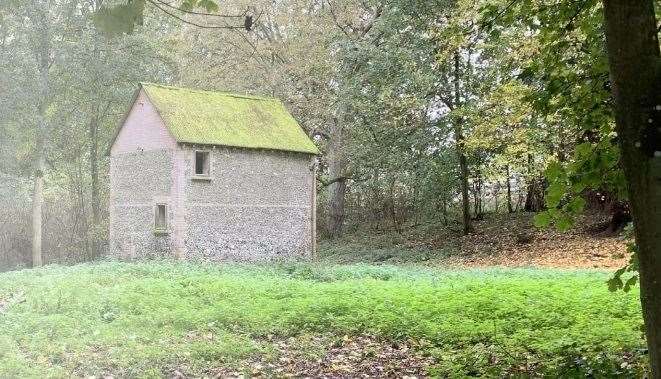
{"type": "Point", "coordinates": [218, 118]}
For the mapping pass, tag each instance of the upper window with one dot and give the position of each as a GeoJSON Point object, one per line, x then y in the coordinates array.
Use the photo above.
{"type": "Point", "coordinates": [202, 163]}
{"type": "Point", "coordinates": [161, 218]}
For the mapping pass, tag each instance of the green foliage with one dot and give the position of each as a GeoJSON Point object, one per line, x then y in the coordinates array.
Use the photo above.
{"type": "Point", "coordinates": [121, 18]}
{"type": "Point", "coordinates": [89, 79]}
{"type": "Point", "coordinates": [617, 282]}
{"type": "Point", "coordinates": [383, 248]}
{"type": "Point", "coordinates": [593, 166]}
{"type": "Point", "coordinates": [542, 219]}
{"type": "Point", "coordinates": [127, 319]}
{"type": "Point", "coordinates": [560, 57]}
{"type": "Point", "coordinates": [208, 5]}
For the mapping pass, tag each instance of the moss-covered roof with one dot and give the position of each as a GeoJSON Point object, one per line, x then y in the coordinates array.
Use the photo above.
{"type": "Point", "coordinates": [217, 118]}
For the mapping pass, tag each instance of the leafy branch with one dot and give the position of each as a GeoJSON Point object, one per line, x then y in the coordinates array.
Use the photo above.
{"type": "Point", "coordinates": [156, 4]}
{"type": "Point", "coordinates": [124, 17]}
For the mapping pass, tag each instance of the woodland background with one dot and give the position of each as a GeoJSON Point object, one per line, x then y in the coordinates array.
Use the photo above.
{"type": "Point", "coordinates": [430, 114]}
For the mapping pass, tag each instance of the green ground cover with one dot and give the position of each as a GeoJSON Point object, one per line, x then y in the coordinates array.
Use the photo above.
{"type": "Point", "coordinates": [147, 319]}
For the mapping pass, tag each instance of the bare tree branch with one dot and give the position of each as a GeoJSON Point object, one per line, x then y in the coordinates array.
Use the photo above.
{"type": "Point", "coordinates": [202, 13]}
{"type": "Point", "coordinates": [155, 3]}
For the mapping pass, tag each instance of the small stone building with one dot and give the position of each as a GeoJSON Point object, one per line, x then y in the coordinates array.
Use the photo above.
{"type": "Point", "coordinates": [210, 175]}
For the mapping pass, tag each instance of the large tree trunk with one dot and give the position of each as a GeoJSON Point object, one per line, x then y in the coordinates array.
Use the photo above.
{"type": "Point", "coordinates": [463, 160]}
{"type": "Point", "coordinates": [635, 70]}
{"type": "Point", "coordinates": [534, 196]}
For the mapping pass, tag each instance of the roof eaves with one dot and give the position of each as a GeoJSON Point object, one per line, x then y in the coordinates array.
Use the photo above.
{"type": "Point", "coordinates": [300, 151]}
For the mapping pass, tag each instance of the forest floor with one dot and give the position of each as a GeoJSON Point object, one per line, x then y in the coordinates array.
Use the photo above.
{"type": "Point", "coordinates": [184, 320]}
{"type": "Point", "coordinates": [498, 240]}
{"type": "Point", "coordinates": [509, 300]}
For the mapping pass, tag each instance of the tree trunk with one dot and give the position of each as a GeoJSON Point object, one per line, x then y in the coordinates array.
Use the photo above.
{"type": "Point", "coordinates": [444, 210]}
{"type": "Point", "coordinates": [375, 202]}
{"type": "Point", "coordinates": [336, 208]}
{"type": "Point", "coordinates": [477, 195]}
{"type": "Point", "coordinates": [496, 192]}
{"type": "Point", "coordinates": [562, 146]}
{"type": "Point", "coordinates": [80, 213]}
{"type": "Point", "coordinates": [96, 115]}
{"type": "Point", "coordinates": [392, 207]}
{"type": "Point", "coordinates": [635, 71]}
{"type": "Point", "coordinates": [519, 196]}
{"type": "Point", "coordinates": [534, 196]}
{"type": "Point", "coordinates": [43, 56]}
{"type": "Point", "coordinates": [94, 176]}
{"type": "Point", "coordinates": [509, 190]}
{"type": "Point", "coordinates": [37, 204]}
{"type": "Point", "coordinates": [620, 217]}
{"type": "Point", "coordinates": [463, 160]}
{"type": "Point", "coordinates": [337, 167]}
{"type": "Point", "coordinates": [465, 197]}
{"type": "Point", "coordinates": [535, 191]}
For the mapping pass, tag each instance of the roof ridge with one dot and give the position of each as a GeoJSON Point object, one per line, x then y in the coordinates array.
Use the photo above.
{"type": "Point", "coordinates": [224, 93]}
{"type": "Point", "coordinates": [225, 119]}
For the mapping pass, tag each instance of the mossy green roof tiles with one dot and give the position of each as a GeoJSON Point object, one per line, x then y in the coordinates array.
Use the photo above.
{"type": "Point", "coordinates": [218, 118]}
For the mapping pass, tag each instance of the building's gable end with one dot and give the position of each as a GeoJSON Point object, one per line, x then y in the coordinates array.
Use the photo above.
{"type": "Point", "coordinates": [142, 129]}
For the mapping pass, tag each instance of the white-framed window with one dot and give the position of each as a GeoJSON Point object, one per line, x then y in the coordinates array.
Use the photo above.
{"type": "Point", "coordinates": [161, 218]}
{"type": "Point", "coordinates": [202, 163]}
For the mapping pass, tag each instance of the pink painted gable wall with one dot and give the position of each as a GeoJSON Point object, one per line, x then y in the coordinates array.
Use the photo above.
{"type": "Point", "coordinates": [143, 129]}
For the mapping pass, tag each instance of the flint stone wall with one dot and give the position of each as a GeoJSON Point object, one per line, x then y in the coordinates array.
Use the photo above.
{"type": "Point", "coordinates": [257, 205]}
{"type": "Point", "coordinates": [138, 180]}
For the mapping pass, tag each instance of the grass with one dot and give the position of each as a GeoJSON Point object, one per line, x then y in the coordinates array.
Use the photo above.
{"type": "Point", "coordinates": [147, 319]}
{"type": "Point", "coordinates": [367, 245]}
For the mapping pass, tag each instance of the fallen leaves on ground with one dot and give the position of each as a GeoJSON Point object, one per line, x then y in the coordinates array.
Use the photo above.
{"type": "Point", "coordinates": [327, 357]}
{"type": "Point", "coordinates": [515, 242]}
{"type": "Point", "coordinates": [509, 240]}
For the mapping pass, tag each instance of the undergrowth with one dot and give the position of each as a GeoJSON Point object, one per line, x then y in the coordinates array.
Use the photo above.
{"type": "Point", "coordinates": [147, 319]}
